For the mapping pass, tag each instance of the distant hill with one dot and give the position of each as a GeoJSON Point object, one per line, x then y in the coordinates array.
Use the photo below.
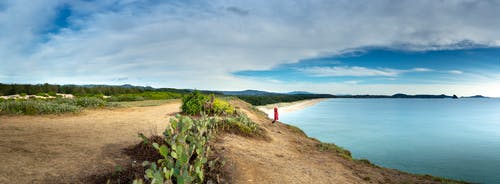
{"type": "Point", "coordinates": [398, 95]}
{"type": "Point", "coordinates": [475, 96]}
{"type": "Point", "coordinates": [251, 92]}
{"type": "Point", "coordinates": [300, 93]}
{"type": "Point", "coordinates": [248, 92]}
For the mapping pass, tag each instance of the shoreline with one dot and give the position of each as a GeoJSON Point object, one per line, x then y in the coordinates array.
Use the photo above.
{"type": "Point", "coordinates": [285, 107]}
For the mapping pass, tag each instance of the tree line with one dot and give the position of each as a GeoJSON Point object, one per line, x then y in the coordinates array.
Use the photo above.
{"type": "Point", "coordinates": [79, 90]}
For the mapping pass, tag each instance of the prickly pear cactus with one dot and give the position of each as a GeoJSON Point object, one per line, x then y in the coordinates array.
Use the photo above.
{"type": "Point", "coordinates": [184, 150]}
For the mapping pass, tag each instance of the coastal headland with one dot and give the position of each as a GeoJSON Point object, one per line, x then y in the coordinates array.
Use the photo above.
{"type": "Point", "coordinates": [72, 148]}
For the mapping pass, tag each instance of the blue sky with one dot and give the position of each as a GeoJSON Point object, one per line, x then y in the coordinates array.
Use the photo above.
{"type": "Point", "coordinates": [338, 47]}
{"type": "Point", "coordinates": [380, 65]}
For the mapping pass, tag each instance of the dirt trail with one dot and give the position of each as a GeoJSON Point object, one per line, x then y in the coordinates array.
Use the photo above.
{"type": "Point", "coordinates": [65, 148]}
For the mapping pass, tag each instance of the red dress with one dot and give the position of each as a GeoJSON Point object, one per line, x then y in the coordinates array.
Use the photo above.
{"type": "Point", "coordinates": [276, 114]}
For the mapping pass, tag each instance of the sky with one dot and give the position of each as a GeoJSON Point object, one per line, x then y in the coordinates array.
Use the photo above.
{"type": "Point", "coordinates": [337, 47]}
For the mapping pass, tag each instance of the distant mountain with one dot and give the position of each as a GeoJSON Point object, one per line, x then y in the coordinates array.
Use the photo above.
{"type": "Point", "coordinates": [399, 95]}
{"type": "Point", "coordinates": [251, 92]}
{"type": "Point", "coordinates": [248, 92]}
{"type": "Point", "coordinates": [475, 96]}
{"type": "Point", "coordinates": [299, 93]}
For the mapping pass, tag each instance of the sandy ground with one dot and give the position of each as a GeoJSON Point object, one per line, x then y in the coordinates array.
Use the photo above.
{"type": "Point", "coordinates": [289, 107]}
{"type": "Point", "coordinates": [65, 148]}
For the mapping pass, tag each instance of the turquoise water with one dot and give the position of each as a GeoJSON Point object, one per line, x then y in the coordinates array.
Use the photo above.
{"type": "Point", "coordinates": [457, 139]}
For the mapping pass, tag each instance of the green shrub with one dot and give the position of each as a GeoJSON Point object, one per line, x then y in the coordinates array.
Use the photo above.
{"type": "Point", "coordinates": [90, 102]}
{"type": "Point", "coordinates": [23, 94]}
{"type": "Point", "coordinates": [51, 93]}
{"type": "Point", "coordinates": [42, 94]}
{"type": "Point", "coordinates": [222, 107]}
{"type": "Point", "coordinates": [193, 103]}
{"type": "Point", "coordinates": [196, 103]}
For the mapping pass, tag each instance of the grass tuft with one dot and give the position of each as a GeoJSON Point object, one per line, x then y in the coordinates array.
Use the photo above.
{"type": "Point", "coordinates": [240, 125]}
{"type": "Point", "coordinates": [334, 148]}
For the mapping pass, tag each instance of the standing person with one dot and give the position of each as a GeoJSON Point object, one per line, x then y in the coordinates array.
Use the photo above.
{"type": "Point", "coordinates": [275, 114]}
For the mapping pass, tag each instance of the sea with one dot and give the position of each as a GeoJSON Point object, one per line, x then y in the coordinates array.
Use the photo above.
{"type": "Point", "coordinates": [452, 138]}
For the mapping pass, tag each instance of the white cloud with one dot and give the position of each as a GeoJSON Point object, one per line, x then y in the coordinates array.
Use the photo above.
{"type": "Point", "coordinates": [357, 71]}
{"type": "Point", "coordinates": [455, 72]}
{"type": "Point", "coordinates": [422, 70]}
{"type": "Point", "coordinates": [348, 71]}
{"type": "Point", "coordinates": [352, 82]}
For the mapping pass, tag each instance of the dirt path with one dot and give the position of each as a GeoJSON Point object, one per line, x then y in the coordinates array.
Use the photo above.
{"type": "Point", "coordinates": [46, 149]}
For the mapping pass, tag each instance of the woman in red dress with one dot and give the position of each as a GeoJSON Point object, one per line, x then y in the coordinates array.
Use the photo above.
{"type": "Point", "coordinates": [275, 114]}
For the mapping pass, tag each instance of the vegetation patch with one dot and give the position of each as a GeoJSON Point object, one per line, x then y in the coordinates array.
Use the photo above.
{"type": "Point", "coordinates": [145, 103]}
{"type": "Point", "coordinates": [334, 148]}
{"type": "Point", "coordinates": [240, 125]}
{"type": "Point", "coordinates": [143, 96]}
{"type": "Point", "coordinates": [196, 104]}
{"type": "Point", "coordinates": [49, 106]}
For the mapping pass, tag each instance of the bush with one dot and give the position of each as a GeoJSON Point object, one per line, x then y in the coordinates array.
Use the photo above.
{"type": "Point", "coordinates": [42, 94]}
{"type": "Point", "coordinates": [90, 102]}
{"type": "Point", "coordinates": [51, 93]}
{"type": "Point", "coordinates": [193, 103]}
{"type": "Point", "coordinates": [222, 107]}
{"type": "Point", "coordinates": [196, 103]}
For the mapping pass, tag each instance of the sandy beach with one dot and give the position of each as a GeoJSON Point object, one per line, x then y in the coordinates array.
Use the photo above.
{"type": "Point", "coordinates": [289, 106]}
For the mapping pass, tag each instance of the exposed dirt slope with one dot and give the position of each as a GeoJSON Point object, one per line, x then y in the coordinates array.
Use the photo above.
{"type": "Point", "coordinates": [291, 157]}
